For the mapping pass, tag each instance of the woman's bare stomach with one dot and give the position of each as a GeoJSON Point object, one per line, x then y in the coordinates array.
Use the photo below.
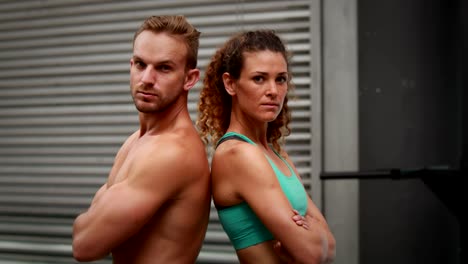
{"type": "Point", "coordinates": [262, 253]}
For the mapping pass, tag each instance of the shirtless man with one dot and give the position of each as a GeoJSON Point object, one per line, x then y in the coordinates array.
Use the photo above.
{"type": "Point", "coordinates": [155, 205]}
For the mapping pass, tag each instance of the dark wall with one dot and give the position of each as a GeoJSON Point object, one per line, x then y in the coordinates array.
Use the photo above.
{"type": "Point", "coordinates": [463, 76]}
{"type": "Point", "coordinates": [410, 116]}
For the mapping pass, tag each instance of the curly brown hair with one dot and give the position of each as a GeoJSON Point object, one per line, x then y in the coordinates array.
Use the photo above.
{"type": "Point", "coordinates": [214, 107]}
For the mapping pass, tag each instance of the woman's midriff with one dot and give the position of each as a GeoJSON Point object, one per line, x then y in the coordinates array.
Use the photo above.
{"type": "Point", "coordinates": [262, 253]}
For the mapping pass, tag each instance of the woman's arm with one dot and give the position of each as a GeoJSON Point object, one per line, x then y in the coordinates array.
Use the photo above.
{"type": "Point", "coordinates": [255, 182]}
{"type": "Point", "coordinates": [315, 219]}
{"type": "Point", "coordinates": [279, 250]}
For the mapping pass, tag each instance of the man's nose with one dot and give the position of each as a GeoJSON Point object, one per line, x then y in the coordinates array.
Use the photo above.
{"type": "Point", "coordinates": [149, 75]}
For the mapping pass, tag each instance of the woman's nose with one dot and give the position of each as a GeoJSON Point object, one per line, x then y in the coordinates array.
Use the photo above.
{"type": "Point", "coordinates": [272, 89]}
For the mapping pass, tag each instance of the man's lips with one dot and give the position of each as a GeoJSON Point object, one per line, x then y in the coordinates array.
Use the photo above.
{"type": "Point", "coordinates": [146, 95]}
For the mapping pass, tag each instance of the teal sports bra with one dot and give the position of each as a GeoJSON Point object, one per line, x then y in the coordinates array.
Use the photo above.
{"type": "Point", "coordinates": [239, 221]}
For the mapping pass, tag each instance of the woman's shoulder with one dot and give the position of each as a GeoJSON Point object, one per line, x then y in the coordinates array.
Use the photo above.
{"type": "Point", "coordinates": [236, 160]}
{"type": "Point", "coordinates": [236, 149]}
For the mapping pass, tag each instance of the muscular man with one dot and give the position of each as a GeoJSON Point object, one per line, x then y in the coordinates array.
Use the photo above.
{"type": "Point", "coordinates": [155, 205]}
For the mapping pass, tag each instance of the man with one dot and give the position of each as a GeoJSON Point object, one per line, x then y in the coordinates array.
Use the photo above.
{"type": "Point", "coordinates": [155, 205]}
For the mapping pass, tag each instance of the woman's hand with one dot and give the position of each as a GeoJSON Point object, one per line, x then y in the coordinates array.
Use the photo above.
{"type": "Point", "coordinates": [300, 220]}
{"type": "Point", "coordinates": [282, 253]}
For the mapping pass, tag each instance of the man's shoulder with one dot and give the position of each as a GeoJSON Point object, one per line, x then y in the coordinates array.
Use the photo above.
{"type": "Point", "coordinates": [179, 140]}
{"type": "Point", "coordinates": [165, 160]}
{"type": "Point", "coordinates": [178, 150]}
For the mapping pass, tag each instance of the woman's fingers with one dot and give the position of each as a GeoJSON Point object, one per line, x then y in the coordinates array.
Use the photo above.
{"type": "Point", "coordinates": [300, 220]}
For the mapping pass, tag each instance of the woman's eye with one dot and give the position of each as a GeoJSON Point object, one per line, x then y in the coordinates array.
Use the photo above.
{"type": "Point", "coordinates": [258, 79]}
{"type": "Point", "coordinates": [281, 79]}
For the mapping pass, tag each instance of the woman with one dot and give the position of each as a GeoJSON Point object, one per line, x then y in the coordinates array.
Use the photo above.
{"type": "Point", "coordinates": [243, 111]}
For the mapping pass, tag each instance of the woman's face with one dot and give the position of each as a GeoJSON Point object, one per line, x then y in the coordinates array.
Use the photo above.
{"type": "Point", "coordinates": [262, 86]}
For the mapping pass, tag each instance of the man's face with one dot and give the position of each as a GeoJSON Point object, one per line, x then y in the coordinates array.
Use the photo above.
{"type": "Point", "coordinates": [158, 73]}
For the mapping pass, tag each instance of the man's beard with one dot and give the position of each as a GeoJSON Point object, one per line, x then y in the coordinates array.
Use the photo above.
{"type": "Point", "coordinates": [146, 107]}
{"type": "Point", "coordinates": [156, 106]}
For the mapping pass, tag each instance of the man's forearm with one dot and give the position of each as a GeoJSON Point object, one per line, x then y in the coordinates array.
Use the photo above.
{"type": "Point", "coordinates": [84, 249]}
{"type": "Point", "coordinates": [99, 193]}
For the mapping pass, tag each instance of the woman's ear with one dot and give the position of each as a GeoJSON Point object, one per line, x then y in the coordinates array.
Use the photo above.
{"type": "Point", "coordinates": [193, 75]}
{"type": "Point", "coordinates": [229, 84]}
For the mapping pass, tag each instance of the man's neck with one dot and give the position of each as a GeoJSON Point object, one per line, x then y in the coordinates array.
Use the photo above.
{"type": "Point", "coordinates": [160, 122]}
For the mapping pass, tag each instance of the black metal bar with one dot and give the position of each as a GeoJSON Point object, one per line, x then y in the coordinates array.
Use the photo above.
{"type": "Point", "coordinates": [449, 185]}
{"type": "Point", "coordinates": [391, 173]}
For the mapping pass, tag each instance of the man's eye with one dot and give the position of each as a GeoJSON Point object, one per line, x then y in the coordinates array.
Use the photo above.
{"type": "Point", "coordinates": [164, 68]}
{"type": "Point", "coordinates": [140, 65]}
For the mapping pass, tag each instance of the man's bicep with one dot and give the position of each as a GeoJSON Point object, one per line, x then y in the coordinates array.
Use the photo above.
{"type": "Point", "coordinates": [161, 175]}
{"type": "Point", "coordinates": [126, 208]}
{"type": "Point", "coordinates": [117, 215]}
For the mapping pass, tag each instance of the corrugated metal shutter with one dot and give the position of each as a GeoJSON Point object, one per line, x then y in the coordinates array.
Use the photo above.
{"type": "Point", "coordinates": [65, 106]}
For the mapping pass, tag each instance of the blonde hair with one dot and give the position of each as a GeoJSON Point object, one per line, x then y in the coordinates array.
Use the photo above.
{"type": "Point", "coordinates": [177, 26]}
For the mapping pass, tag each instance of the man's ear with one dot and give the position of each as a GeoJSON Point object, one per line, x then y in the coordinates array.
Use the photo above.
{"type": "Point", "coordinates": [229, 84]}
{"type": "Point", "coordinates": [193, 75]}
